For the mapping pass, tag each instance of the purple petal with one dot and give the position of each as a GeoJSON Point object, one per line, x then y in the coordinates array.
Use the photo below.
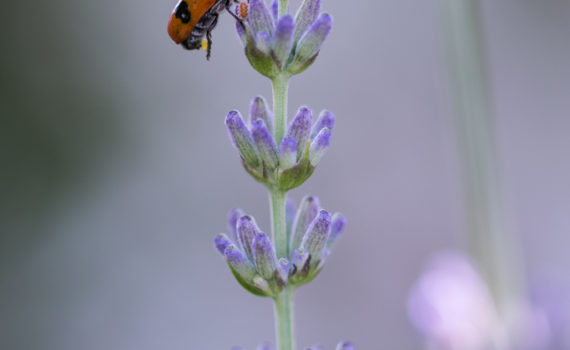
{"type": "Point", "coordinates": [299, 261]}
{"type": "Point", "coordinates": [263, 42]}
{"type": "Point", "coordinates": [300, 129]}
{"type": "Point", "coordinates": [265, 144]}
{"type": "Point", "coordinates": [264, 256]}
{"type": "Point", "coordinates": [241, 138]}
{"type": "Point", "coordinates": [319, 146]}
{"type": "Point", "coordinates": [337, 227]}
{"type": "Point", "coordinates": [308, 210]}
{"type": "Point", "coordinates": [258, 111]}
{"type": "Point", "coordinates": [283, 40]}
{"type": "Point", "coordinates": [325, 120]}
{"type": "Point", "coordinates": [283, 270]}
{"type": "Point", "coordinates": [306, 15]}
{"type": "Point", "coordinates": [275, 8]}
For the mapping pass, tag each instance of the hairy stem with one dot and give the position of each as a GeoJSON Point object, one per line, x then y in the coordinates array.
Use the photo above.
{"type": "Point", "coordinates": [284, 325]}
{"type": "Point", "coordinates": [280, 86]}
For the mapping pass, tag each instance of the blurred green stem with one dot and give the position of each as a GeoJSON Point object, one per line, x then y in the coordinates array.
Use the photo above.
{"type": "Point", "coordinates": [491, 243]}
{"type": "Point", "coordinates": [282, 8]}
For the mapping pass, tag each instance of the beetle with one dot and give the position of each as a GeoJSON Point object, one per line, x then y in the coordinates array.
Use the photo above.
{"type": "Point", "coordinates": [191, 20]}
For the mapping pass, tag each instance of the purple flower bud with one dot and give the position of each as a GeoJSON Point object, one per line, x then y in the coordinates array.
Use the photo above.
{"type": "Point", "coordinates": [283, 40]}
{"type": "Point", "coordinates": [236, 348]}
{"type": "Point", "coordinates": [337, 226]}
{"type": "Point", "coordinates": [264, 346]}
{"type": "Point", "coordinates": [221, 242]}
{"type": "Point", "coordinates": [307, 212]}
{"type": "Point", "coordinates": [300, 129]}
{"type": "Point", "coordinates": [319, 146]}
{"type": "Point", "coordinates": [325, 120]}
{"type": "Point", "coordinates": [241, 138]}
{"type": "Point", "coordinates": [263, 42]}
{"type": "Point", "coordinates": [246, 230]}
{"type": "Point", "coordinates": [289, 215]}
{"type": "Point", "coordinates": [306, 15]}
{"type": "Point", "coordinates": [258, 111]}
{"type": "Point", "coordinates": [300, 261]}
{"type": "Point", "coordinates": [345, 346]}
{"type": "Point", "coordinates": [259, 18]}
{"type": "Point", "coordinates": [310, 43]}
{"type": "Point", "coordinates": [287, 153]}
{"type": "Point", "coordinates": [283, 270]}
{"type": "Point", "coordinates": [317, 235]}
{"type": "Point", "coordinates": [265, 144]}
{"type": "Point", "coordinates": [264, 256]}
{"type": "Point", "coordinates": [239, 264]}
{"type": "Point", "coordinates": [233, 217]}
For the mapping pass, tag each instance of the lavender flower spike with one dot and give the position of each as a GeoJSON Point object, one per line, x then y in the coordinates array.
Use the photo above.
{"type": "Point", "coordinates": [246, 230]}
{"type": "Point", "coordinates": [317, 235]}
{"type": "Point", "coordinates": [258, 111]}
{"type": "Point", "coordinates": [241, 138]}
{"type": "Point", "coordinates": [221, 242]}
{"type": "Point", "coordinates": [283, 40]}
{"type": "Point", "coordinates": [306, 15]}
{"type": "Point", "coordinates": [325, 120]}
{"type": "Point", "coordinates": [345, 346]}
{"type": "Point", "coordinates": [300, 129]}
{"type": "Point", "coordinates": [319, 146]}
{"type": "Point", "coordinates": [307, 212]}
{"type": "Point", "coordinates": [265, 144]}
{"type": "Point", "coordinates": [310, 43]}
{"type": "Point", "coordinates": [288, 153]}
{"type": "Point", "coordinates": [264, 256]}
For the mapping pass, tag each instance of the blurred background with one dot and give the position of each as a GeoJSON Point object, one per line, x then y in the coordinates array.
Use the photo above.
{"type": "Point", "coordinates": [117, 172]}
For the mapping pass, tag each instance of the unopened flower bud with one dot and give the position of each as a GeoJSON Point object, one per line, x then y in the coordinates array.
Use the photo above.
{"type": "Point", "coordinates": [310, 43]}
{"type": "Point", "coordinates": [260, 20]}
{"type": "Point", "coordinates": [233, 217]}
{"type": "Point", "coordinates": [306, 15]}
{"type": "Point", "coordinates": [246, 230]}
{"type": "Point", "coordinates": [300, 261]}
{"type": "Point", "coordinates": [300, 129]}
{"type": "Point", "coordinates": [265, 144]}
{"type": "Point", "coordinates": [319, 146]}
{"type": "Point", "coordinates": [264, 256]}
{"type": "Point", "coordinates": [241, 138]}
{"type": "Point", "coordinates": [262, 284]}
{"type": "Point", "coordinates": [317, 235]}
{"type": "Point", "coordinates": [283, 40]}
{"type": "Point", "coordinates": [337, 227]}
{"type": "Point", "coordinates": [221, 242]}
{"type": "Point", "coordinates": [325, 120]}
{"type": "Point", "coordinates": [258, 111]}
{"type": "Point", "coordinates": [240, 265]}
{"type": "Point", "coordinates": [307, 212]}
{"type": "Point", "coordinates": [283, 271]}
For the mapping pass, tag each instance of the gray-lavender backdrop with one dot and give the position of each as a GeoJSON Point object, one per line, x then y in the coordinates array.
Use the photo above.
{"type": "Point", "coordinates": [117, 171]}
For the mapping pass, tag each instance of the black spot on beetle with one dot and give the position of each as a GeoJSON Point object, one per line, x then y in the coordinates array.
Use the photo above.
{"type": "Point", "coordinates": [182, 12]}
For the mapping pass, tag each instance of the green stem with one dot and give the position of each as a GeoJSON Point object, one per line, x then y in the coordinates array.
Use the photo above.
{"type": "Point", "coordinates": [280, 86]}
{"type": "Point", "coordinates": [284, 325]}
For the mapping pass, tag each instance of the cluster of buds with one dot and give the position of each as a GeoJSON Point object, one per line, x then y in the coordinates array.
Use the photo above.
{"type": "Point", "coordinates": [341, 346]}
{"type": "Point", "coordinates": [288, 44]}
{"type": "Point", "coordinates": [292, 163]}
{"type": "Point", "coordinates": [251, 256]}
